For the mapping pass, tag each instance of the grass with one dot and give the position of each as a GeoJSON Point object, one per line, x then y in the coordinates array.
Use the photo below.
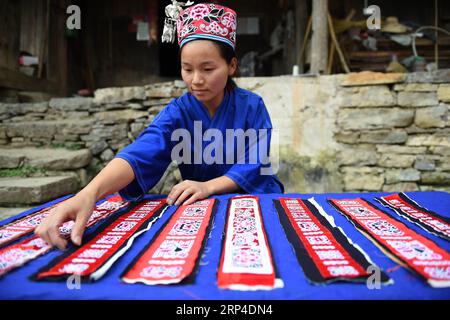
{"type": "Point", "coordinates": [23, 171]}
{"type": "Point", "coordinates": [69, 146]}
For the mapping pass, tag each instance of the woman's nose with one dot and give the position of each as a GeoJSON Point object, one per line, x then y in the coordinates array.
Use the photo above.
{"type": "Point", "coordinates": [198, 79]}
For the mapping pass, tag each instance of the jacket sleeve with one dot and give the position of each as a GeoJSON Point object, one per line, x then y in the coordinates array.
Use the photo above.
{"type": "Point", "coordinates": [149, 155]}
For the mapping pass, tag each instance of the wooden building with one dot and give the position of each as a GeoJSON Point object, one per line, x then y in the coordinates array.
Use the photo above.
{"type": "Point", "coordinates": [106, 51]}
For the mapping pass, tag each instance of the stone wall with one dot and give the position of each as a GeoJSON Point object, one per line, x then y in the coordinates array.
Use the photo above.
{"type": "Point", "coordinates": [394, 137]}
{"type": "Point", "coordinates": [360, 132]}
{"type": "Point", "coordinates": [357, 132]}
{"type": "Point", "coordinates": [103, 124]}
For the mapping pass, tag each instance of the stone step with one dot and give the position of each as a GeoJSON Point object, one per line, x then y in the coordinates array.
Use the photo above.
{"type": "Point", "coordinates": [30, 191]}
{"type": "Point", "coordinates": [45, 158]}
{"type": "Point", "coordinates": [6, 213]}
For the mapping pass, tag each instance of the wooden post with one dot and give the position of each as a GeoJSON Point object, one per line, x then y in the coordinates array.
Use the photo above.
{"type": "Point", "coordinates": [57, 46]}
{"type": "Point", "coordinates": [43, 50]}
{"type": "Point", "coordinates": [436, 47]}
{"type": "Point", "coordinates": [301, 18]}
{"type": "Point", "coordinates": [319, 41]}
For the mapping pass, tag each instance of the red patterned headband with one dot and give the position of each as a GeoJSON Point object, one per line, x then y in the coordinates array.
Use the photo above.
{"type": "Point", "coordinates": [207, 21]}
{"type": "Point", "coordinates": [201, 21]}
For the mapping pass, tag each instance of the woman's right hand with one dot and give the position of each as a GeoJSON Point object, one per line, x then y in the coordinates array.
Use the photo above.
{"type": "Point", "coordinates": [78, 208]}
{"type": "Point", "coordinates": [114, 177]}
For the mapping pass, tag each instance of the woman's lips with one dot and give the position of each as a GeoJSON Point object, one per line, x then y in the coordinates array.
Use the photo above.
{"type": "Point", "coordinates": [199, 92]}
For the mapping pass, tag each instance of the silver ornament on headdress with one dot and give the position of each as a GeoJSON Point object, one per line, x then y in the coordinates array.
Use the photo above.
{"type": "Point", "coordinates": [170, 22]}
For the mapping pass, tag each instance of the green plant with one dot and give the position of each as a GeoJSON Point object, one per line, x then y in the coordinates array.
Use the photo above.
{"type": "Point", "coordinates": [57, 145]}
{"type": "Point", "coordinates": [74, 146]}
{"type": "Point", "coordinates": [23, 171]}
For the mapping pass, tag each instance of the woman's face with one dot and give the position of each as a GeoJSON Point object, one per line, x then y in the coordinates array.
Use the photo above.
{"type": "Point", "coordinates": [205, 71]}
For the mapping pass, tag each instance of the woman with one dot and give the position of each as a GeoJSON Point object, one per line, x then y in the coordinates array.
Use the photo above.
{"type": "Point", "coordinates": [213, 106]}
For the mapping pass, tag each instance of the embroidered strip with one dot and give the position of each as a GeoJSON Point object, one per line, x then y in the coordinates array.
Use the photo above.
{"type": "Point", "coordinates": [323, 250]}
{"type": "Point", "coordinates": [175, 252]}
{"type": "Point", "coordinates": [94, 258]}
{"type": "Point", "coordinates": [246, 260]}
{"type": "Point", "coordinates": [28, 249]}
{"type": "Point", "coordinates": [412, 211]}
{"type": "Point", "coordinates": [412, 250]}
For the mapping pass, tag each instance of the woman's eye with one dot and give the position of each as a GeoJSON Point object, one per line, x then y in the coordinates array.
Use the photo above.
{"type": "Point", "coordinates": [209, 70]}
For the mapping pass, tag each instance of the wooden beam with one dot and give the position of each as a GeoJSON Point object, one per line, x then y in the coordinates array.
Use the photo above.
{"type": "Point", "coordinates": [336, 45]}
{"type": "Point", "coordinates": [9, 34]}
{"type": "Point", "coordinates": [16, 80]}
{"type": "Point", "coordinates": [301, 57]}
{"type": "Point", "coordinates": [319, 41]}
{"type": "Point", "coordinates": [349, 17]}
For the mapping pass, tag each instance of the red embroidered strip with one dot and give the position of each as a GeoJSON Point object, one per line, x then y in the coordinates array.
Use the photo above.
{"type": "Point", "coordinates": [416, 252]}
{"type": "Point", "coordinates": [323, 250]}
{"type": "Point", "coordinates": [28, 249]}
{"type": "Point", "coordinates": [246, 261]}
{"type": "Point", "coordinates": [96, 256]}
{"type": "Point", "coordinates": [23, 226]}
{"type": "Point", "coordinates": [426, 219]}
{"type": "Point", "coordinates": [172, 256]}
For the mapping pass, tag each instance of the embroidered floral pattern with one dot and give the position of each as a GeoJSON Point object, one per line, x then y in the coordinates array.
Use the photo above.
{"type": "Point", "coordinates": [214, 21]}
{"type": "Point", "coordinates": [246, 257]}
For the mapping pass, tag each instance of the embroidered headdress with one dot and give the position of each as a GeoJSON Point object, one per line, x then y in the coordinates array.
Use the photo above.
{"type": "Point", "coordinates": [201, 21]}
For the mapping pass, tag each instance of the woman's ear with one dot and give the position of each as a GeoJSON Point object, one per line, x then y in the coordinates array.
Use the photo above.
{"type": "Point", "coordinates": [232, 67]}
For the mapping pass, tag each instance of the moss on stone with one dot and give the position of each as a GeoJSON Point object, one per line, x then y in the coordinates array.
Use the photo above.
{"type": "Point", "coordinates": [307, 174]}
{"type": "Point", "coordinates": [23, 171]}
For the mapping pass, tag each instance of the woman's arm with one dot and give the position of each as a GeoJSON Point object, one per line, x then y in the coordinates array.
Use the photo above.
{"type": "Point", "coordinates": [114, 177]}
{"type": "Point", "coordinates": [222, 185]}
{"type": "Point", "coordinates": [188, 191]}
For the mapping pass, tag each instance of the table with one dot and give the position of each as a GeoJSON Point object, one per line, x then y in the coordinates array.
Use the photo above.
{"type": "Point", "coordinates": [16, 284]}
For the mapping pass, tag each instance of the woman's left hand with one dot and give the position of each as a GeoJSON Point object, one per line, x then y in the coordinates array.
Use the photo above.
{"type": "Point", "coordinates": [187, 192]}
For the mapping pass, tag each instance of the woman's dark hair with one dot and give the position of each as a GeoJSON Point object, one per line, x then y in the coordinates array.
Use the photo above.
{"type": "Point", "coordinates": [227, 53]}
